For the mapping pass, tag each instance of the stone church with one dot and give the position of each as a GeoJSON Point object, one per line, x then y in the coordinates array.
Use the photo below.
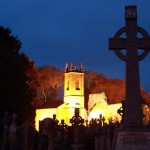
{"type": "Point", "coordinates": [74, 98]}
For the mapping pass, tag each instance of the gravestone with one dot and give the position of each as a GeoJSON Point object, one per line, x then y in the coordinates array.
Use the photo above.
{"type": "Point", "coordinates": [12, 137]}
{"type": "Point", "coordinates": [62, 136]}
{"type": "Point", "coordinates": [132, 134]}
{"type": "Point", "coordinates": [5, 128]}
{"type": "Point", "coordinates": [101, 138]}
{"type": "Point", "coordinates": [27, 137]}
{"type": "Point", "coordinates": [48, 134]}
{"type": "Point", "coordinates": [78, 131]}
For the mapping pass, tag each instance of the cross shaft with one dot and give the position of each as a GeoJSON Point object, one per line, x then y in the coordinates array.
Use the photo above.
{"type": "Point", "coordinates": [131, 43]}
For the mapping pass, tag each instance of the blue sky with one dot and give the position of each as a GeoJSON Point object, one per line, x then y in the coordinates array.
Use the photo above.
{"type": "Point", "coordinates": [54, 32]}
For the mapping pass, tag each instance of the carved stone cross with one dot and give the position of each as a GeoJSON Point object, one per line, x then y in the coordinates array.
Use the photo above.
{"type": "Point", "coordinates": [132, 43]}
{"type": "Point", "coordinates": [76, 120]}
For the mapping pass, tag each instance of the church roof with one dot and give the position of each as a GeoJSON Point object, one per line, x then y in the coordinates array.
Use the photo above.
{"type": "Point", "coordinates": [50, 104]}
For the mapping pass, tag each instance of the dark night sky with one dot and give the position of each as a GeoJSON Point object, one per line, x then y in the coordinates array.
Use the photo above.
{"type": "Point", "coordinates": [54, 32]}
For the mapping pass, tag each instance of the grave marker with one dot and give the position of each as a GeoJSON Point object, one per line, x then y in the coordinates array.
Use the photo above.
{"type": "Point", "coordinates": [133, 122]}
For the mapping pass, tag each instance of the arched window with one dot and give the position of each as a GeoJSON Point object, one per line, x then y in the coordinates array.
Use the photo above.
{"type": "Point", "coordinates": [77, 85]}
{"type": "Point", "coordinates": [67, 85]}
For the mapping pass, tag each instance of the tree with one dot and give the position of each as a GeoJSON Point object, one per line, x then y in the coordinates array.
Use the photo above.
{"type": "Point", "coordinates": [113, 88]}
{"type": "Point", "coordinates": [51, 79]}
{"type": "Point", "coordinates": [18, 78]}
{"type": "Point", "coordinates": [91, 85]}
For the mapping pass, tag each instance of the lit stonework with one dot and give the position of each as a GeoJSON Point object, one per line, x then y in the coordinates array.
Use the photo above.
{"type": "Point", "coordinates": [98, 105]}
{"type": "Point", "coordinates": [73, 98]}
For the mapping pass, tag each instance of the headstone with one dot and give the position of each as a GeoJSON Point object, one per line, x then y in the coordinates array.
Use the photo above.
{"type": "Point", "coordinates": [62, 136]}
{"type": "Point", "coordinates": [48, 134]}
{"type": "Point", "coordinates": [132, 135]}
{"type": "Point", "coordinates": [5, 126]}
{"type": "Point", "coordinates": [102, 139]}
{"type": "Point", "coordinates": [55, 119]}
{"type": "Point", "coordinates": [63, 126]}
{"type": "Point", "coordinates": [99, 137]}
{"type": "Point", "coordinates": [12, 138]}
{"type": "Point", "coordinates": [26, 137]}
{"type": "Point", "coordinates": [76, 120]}
{"type": "Point", "coordinates": [78, 131]}
{"type": "Point", "coordinates": [100, 120]}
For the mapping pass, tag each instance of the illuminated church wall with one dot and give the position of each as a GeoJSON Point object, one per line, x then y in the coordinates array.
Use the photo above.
{"type": "Point", "coordinates": [74, 98]}
{"type": "Point", "coordinates": [98, 105]}
{"type": "Point", "coordinates": [61, 113]}
{"type": "Point", "coordinates": [44, 113]}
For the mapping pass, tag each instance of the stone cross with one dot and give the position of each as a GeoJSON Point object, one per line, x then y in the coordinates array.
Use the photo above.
{"type": "Point", "coordinates": [76, 120]}
{"type": "Point", "coordinates": [132, 43]}
{"type": "Point", "coordinates": [101, 120]}
{"type": "Point", "coordinates": [62, 125]}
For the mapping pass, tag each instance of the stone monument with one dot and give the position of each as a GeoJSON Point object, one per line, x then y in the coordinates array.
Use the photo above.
{"type": "Point", "coordinates": [132, 134]}
{"type": "Point", "coordinates": [78, 131]}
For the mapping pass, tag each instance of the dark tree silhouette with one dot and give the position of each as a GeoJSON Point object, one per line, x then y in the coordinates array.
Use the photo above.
{"type": "Point", "coordinates": [18, 78]}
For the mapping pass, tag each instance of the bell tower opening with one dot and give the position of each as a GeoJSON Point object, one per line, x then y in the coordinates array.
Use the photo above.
{"type": "Point", "coordinates": [77, 84]}
{"type": "Point", "coordinates": [67, 85]}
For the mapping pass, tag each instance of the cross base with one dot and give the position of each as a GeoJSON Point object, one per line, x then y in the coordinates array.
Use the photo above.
{"type": "Point", "coordinates": [131, 139]}
{"type": "Point", "coordinates": [132, 126]}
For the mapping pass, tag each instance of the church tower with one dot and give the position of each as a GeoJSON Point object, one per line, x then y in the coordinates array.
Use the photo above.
{"type": "Point", "coordinates": [74, 90]}
{"type": "Point", "coordinates": [73, 98]}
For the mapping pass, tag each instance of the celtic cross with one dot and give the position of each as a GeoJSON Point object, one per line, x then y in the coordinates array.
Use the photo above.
{"type": "Point", "coordinates": [127, 38]}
